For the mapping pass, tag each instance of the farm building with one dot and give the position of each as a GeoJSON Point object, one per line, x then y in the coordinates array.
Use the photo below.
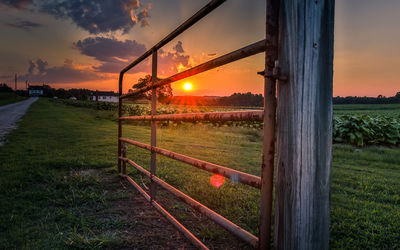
{"type": "Point", "coordinates": [35, 90]}
{"type": "Point", "coordinates": [103, 96]}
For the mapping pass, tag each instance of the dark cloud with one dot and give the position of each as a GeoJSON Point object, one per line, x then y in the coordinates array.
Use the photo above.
{"type": "Point", "coordinates": [32, 66]}
{"type": "Point", "coordinates": [178, 47]}
{"type": "Point", "coordinates": [18, 4]}
{"type": "Point", "coordinates": [110, 49]}
{"type": "Point", "coordinates": [114, 55]}
{"type": "Point", "coordinates": [173, 62]}
{"type": "Point", "coordinates": [39, 72]}
{"type": "Point", "coordinates": [25, 25]}
{"type": "Point", "coordinates": [99, 16]}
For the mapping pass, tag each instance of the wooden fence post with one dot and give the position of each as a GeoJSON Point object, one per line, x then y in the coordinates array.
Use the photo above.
{"type": "Point", "coordinates": [304, 131]}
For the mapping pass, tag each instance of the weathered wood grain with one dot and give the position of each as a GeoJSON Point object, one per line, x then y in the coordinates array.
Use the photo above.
{"type": "Point", "coordinates": [304, 132]}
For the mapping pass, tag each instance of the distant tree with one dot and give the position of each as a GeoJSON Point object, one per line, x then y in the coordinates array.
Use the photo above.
{"type": "Point", "coordinates": [62, 93]}
{"type": "Point", "coordinates": [21, 92]}
{"type": "Point", "coordinates": [4, 88]}
{"type": "Point", "coordinates": [242, 99]}
{"type": "Point", "coordinates": [163, 93]}
{"type": "Point", "coordinates": [48, 91]}
{"type": "Point", "coordinates": [380, 99]}
{"type": "Point", "coordinates": [80, 94]}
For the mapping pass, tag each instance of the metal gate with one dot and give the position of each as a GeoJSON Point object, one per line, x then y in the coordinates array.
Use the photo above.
{"type": "Point", "coordinates": [267, 116]}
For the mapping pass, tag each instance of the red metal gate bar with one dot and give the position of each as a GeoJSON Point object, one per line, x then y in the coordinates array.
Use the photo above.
{"type": "Point", "coordinates": [268, 156]}
{"type": "Point", "coordinates": [234, 175]}
{"type": "Point", "coordinates": [217, 218]}
{"type": "Point", "coordinates": [169, 217]}
{"type": "Point", "coordinates": [208, 116]}
{"type": "Point", "coordinates": [153, 124]}
{"type": "Point", "coordinates": [247, 51]}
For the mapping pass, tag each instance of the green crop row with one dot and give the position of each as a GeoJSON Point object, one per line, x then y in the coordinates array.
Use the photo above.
{"type": "Point", "coordinates": [363, 130]}
{"type": "Point", "coordinates": [359, 130]}
{"type": "Point", "coordinates": [135, 109]}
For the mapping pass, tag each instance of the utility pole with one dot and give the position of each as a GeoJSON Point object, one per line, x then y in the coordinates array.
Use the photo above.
{"type": "Point", "coordinates": [304, 130]}
{"type": "Point", "coordinates": [15, 81]}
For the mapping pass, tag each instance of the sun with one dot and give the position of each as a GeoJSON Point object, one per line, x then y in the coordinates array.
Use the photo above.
{"type": "Point", "coordinates": [188, 86]}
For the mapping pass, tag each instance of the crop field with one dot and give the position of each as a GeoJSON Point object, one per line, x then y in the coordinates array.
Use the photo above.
{"type": "Point", "coordinates": [389, 110]}
{"type": "Point", "coordinates": [46, 203]}
{"type": "Point", "coordinates": [352, 124]}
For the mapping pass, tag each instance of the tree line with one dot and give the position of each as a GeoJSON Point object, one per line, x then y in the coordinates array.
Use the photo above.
{"type": "Point", "coordinates": [165, 96]}
{"type": "Point", "coordinates": [367, 100]}
{"type": "Point", "coordinates": [80, 94]}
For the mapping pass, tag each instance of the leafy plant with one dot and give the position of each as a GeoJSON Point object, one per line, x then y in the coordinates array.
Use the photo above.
{"type": "Point", "coordinates": [361, 130]}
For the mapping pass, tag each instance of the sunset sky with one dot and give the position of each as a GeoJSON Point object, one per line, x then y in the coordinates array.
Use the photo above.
{"type": "Point", "coordinates": [84, 44]}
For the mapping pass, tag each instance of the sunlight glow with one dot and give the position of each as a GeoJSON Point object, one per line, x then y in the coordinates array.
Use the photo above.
{"type": "Point", "coordinates": [217, 180]}
{"type": "Point", "coordinates": [188, 86]}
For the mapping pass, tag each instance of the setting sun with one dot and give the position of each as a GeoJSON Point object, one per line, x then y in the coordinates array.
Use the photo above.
{"type": "Point", "coordinates": [187, 86]}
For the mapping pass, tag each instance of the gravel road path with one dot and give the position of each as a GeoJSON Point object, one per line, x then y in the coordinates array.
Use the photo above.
{"type": "Point", "coordinates": [10, 115]}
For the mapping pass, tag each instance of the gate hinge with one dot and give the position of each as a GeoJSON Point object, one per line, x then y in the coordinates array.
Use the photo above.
{"type": "Point", "coordinates": [274, 74]}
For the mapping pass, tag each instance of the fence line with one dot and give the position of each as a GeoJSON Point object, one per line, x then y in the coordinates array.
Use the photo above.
{"type": "Point", "coordinates": [233, 175]}
{"type": "Point", "coordinates": [267, 116]}
{"type": "Point", "coordinates": [206, 116]}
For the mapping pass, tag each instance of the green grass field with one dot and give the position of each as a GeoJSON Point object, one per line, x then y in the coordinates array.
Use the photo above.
{"type": "Point", "coordinates": [392, 110]}
{"type": "Point", "coordinates": [8, 98]}
{"type": "Point", "coordinates": [46, 201]}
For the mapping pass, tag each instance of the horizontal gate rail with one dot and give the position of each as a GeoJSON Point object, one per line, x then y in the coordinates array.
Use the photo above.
{"type": "Point", "coordinates": [233, 175]}
{"type": "Point", "coordinates": [217, 218]}
{"type": "Point", "coordinates": [207, 116]}
{"type": "Point", "coordinates": [195, 241]}
{"type": "Point", "coordinates": [247, 51]}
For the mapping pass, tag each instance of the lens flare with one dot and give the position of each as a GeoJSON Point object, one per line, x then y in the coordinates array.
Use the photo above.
{"type": "Point", "coordinates": [217, 180]}
{"type": "Point", "coordinates": [187, 86]}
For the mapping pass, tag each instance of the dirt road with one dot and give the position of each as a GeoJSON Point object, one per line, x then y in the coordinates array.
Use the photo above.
{"type": "Point", "coordinates": [10, 115]}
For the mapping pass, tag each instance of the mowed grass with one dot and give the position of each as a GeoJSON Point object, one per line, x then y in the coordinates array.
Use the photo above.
{"type": "Point", "coordinates": [8, 98]}
{"type": "Point", "coordinates": [365, 198]}
{"type": "Point", "coordinates": [44, 201]}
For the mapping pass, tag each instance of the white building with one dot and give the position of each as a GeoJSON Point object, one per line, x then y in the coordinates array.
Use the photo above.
{"type": "Point", "coordinates": [103, 96]}
{"type": "Point", "coordinates": [35, 90]}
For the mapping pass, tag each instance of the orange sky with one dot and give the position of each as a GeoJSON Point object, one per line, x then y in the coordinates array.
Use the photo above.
{"type": "Point", "coordinates": [365, 64]}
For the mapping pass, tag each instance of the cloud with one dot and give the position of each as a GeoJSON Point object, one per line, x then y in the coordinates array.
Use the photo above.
{"type": "Point", "coordinates": [69, 72]}
{"type": "Point", "coordinates": [99, 16]}
{"type": "Point", "coordinates": [173, 62]}
{"type": "Point", "coordinates": [109, 49]}
{"type": "Point", "coordinates": [18, 4]}
{"type": "Point", "coordinates": [25, 25]}
{"type": "Point", "coordinates": [115, 54]}
{"type": "Point", "coordinates": [178, 47]}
